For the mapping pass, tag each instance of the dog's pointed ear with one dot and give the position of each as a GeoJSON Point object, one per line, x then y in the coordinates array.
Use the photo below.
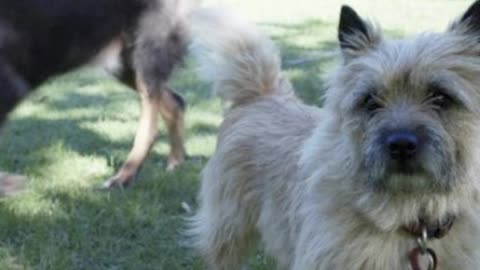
{"type": "Point", "coordinates": [355, 35]}
{"type": "Point", "coordinates": [469, 22]}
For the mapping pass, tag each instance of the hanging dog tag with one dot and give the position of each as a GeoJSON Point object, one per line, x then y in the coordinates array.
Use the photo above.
{"type": "Point", "coordinates": [416, 257]}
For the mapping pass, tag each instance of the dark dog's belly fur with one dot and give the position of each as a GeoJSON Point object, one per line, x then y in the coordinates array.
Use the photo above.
{"type": "Point", "coordinates": [42, 38]}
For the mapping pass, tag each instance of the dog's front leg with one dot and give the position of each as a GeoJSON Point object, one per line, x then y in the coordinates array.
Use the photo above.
{"type": "Point", "coordinates": [144, 138]}
{"type": "Point", "coordinates": [12, 91]}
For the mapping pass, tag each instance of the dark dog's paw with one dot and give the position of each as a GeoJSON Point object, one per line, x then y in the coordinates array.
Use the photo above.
{"type": "Point", "coordinates": [174, 162]}
{"type": "Point", "coordinates": [11, 184]}
{"type": "Point", "coordinates": [172, 165]}
{"type": "Point", "coordinates": [118, 181]}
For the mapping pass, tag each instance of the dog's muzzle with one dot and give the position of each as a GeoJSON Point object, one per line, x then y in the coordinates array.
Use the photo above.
{"type": "Point", "coordinates": [406, 160]}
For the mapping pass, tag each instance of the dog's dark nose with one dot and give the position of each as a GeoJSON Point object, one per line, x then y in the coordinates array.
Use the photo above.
{"type": "Point", "coordinates": [402, 145]}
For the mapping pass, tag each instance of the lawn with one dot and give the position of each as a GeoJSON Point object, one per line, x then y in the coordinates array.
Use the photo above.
{"type": "Point", "coordinates": [76, 130]}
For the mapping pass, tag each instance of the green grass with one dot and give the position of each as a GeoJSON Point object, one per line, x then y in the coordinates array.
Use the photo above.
{"type": "Point", "coordinates": [76, 130]}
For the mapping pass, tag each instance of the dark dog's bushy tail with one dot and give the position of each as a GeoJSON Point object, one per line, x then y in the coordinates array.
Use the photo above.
{"type": "Point", "coordinates": [242, 63]}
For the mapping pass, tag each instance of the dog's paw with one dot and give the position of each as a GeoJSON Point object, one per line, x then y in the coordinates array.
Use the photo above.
{"type": "Point", "coordinates": [11, 184]}
{"type": "Point", "coordinates": [173, 163]}
{"type": "Point", "coordinates": [118, 181]}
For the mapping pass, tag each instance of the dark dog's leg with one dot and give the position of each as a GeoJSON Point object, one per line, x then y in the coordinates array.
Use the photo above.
{"type": "Point", "coordinates": [12, 90]}
{"type": "Point", "coordinates": [155, 98]}
{"type": "Point", "coordinates": [156, 54]}
{"type": "Point", "coordinates": [171, 108]}
{"type": "Point", "coordinates": [144, 138]}
{"type": "Point", "coordinates": [150, 57]}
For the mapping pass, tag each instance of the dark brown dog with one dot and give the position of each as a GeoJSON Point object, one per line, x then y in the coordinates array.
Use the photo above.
{"type": "Point", "coordinates": [42, 38]}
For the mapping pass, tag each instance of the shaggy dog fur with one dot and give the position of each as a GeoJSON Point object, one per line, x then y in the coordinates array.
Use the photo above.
{"type": "Point", "coordinates": [142, 39]}
{"type": "Point", "coordinates": [396, 143]}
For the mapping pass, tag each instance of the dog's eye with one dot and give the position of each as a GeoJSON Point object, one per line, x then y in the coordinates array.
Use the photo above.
{"type": "Point", "coordinates": [440, 99]}
{"type": "Point", "coordinates": [371, 103]}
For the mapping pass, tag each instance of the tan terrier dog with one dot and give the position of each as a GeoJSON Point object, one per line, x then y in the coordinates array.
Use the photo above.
{"type": "Point", "coordinates": [385, 176]}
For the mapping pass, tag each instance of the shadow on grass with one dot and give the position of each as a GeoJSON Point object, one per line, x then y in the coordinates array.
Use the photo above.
{"type": "Point", "coordinates": [28, 155]}
{"type": "Point", "coordinates": [78, 229]}
{"type": "Point", "coordinates": [76, 100]}
{"type": "Point", "coordinates": [68, 133]}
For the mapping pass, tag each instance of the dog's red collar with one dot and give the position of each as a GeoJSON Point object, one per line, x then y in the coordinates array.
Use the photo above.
{"type": "Point", "coordinates": [436, 229]}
